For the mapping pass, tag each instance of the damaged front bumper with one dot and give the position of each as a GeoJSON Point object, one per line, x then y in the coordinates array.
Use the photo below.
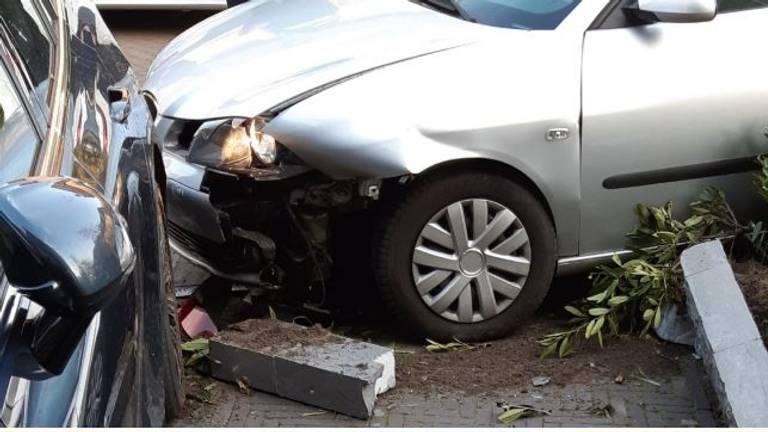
{"type": "Point", "coordinates": [189, 208]}
{"type": "Point", "coordinates": [198, 230]}
{"type": "Point", "coordinates": [265, 227]}
{"type": "Point", "coordinates": [195, 228]}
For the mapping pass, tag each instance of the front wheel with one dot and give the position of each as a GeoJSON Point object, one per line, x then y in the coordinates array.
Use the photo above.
{"type": "Point", "coordinates": [465, 256]}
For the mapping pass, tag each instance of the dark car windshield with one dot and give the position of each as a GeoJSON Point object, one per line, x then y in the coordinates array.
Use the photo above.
{"type": "Point", "coordinates": [518, 14]}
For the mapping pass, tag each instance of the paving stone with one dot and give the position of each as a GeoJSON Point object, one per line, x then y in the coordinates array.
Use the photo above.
{"type": "Point", "coordinates": [726, 335]}
{"type": "Point", "coordinates": [635, 412]}
{"type": "Point", "coordinates": [343, 375]}
{"type": "Point", "coordinates": [743, 371]}
{"type": "Point", "coordinates": [396, 420]}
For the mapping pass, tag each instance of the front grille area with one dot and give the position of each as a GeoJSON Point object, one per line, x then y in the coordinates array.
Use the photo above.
{"type": "Point", "coordinates": [226, 260]}
{"type": "Point", "coordinates": [189, 242]}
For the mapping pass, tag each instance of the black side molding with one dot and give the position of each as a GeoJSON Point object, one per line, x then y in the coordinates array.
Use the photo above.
{"type": "Point", "coordinates": [686, 172]}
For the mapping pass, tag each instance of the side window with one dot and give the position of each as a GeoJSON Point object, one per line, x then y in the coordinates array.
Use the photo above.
{"type": "Point", "coordinates": [19, 142]}
{"type": "Point", "coordinates": [21, 22]}
{"type": "Point", "coordinates": [725, 6]}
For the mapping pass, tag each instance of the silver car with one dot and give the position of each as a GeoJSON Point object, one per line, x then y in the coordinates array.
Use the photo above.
{"type": "Point", "coordinates": [495, 142]}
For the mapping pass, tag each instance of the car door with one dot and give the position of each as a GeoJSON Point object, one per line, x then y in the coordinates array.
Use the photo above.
{"type": "Point", "coordinates": [669, 109]}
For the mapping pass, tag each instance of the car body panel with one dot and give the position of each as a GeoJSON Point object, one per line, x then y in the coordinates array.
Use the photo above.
{"type": "Point", "coordinates": [426, 120]}
{"type": "Point", "coordinates": [666, 98]}
{"type": "Point", "coordinates": [300, 46]}
{"type": "Point", "coordinates": [103, 141]}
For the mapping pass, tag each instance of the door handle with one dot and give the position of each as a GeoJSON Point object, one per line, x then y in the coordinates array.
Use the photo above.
{"type": "Point", "coordinates": [119, 104]}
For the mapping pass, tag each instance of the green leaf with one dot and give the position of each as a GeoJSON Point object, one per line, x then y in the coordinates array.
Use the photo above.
{"type": "Point", "coordinates": [195, 345]}
{"type": "Point", "coordinates": [512, 415]}
{"type": "Point", "coordinates": [648, 315]}
{"type": "Point", "coordinates": [599, 324]}
{"type": "Point", "coordinates": [643, 213]}
{"type": "Point", "coordinates": [599, 297]}
{"type": "Point", "coordinates": [598, 311]}
{"type": "Point", "coordinates": [549, 351]}
{"type": "Point", "coordinates": [574, 311]}
{"type": "Point", "coordinates": [657, 318]}
{"type": "Point", "coordinates": [588, 330]}
{"type": "Point", "coordinates": [617, 300]}
{"type": "Point", "coordinates": [693, 221]}
{"type": "Point", "coordinates": [196, 357]}
{"type": "Point", "coordinates": [547, 341]}
{"type": "Point", "coordinates": [565, 347]}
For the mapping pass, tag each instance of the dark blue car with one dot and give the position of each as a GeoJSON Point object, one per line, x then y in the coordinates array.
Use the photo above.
{"type": "Point", "coordinates": [89, 335]}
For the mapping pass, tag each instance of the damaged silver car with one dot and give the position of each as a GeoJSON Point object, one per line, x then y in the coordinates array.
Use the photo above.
{"type": "Point", "coordinates": [497, 142]}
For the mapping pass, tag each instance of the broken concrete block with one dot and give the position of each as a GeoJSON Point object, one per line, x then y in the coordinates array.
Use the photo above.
{"type": "Point", "coordinates": [309, 365]}
{"type": "Point", "coordinates": [726, 335]}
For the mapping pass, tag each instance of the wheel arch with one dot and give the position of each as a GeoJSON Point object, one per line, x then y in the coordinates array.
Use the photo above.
{"type": "Point", "coordinates": [481, 165]}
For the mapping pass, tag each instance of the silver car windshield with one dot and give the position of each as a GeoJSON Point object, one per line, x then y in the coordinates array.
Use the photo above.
{"type": "Point", "coordinates": [518, 14]}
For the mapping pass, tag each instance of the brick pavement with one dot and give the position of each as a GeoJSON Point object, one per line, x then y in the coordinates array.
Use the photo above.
{"type": "Point", "coordinates": [677, 402]}
{"type": "Point", "coordinates": [680, 400]}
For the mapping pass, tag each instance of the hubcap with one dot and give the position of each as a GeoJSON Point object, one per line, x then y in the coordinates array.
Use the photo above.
{"type": "Point", "coordinates": [471, 260]}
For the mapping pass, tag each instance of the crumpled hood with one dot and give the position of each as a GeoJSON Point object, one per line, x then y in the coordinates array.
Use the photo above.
{"type": "Point", "coordinates": [248, 59]}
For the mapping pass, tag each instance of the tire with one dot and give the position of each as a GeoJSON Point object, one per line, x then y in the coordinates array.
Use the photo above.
{"type": "Point", "coordinates": [401, 231]}
{"type": "Point", "coordinates": [173, 370]}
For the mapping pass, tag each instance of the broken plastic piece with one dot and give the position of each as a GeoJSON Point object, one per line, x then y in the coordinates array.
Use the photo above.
{"type": "Point", "coordinates": [197, 323]}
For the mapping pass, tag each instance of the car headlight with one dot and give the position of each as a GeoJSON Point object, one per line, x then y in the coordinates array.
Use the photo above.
{"type": "Point", "coordinates": [233, 144]}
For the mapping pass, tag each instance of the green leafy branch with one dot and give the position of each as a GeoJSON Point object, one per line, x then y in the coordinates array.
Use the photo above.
{"type": "Point", "coordinates": [756, 232]}
{"type": "Point", "coordinates": [195, 351]}
{"type": "Point", "coordinates": [630, 295]}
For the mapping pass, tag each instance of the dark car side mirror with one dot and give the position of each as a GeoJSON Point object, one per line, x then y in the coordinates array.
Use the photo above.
{"type": "Point", "coordinates": [673, 11]}
{"type": "Point", "coordinates": [64, 247]}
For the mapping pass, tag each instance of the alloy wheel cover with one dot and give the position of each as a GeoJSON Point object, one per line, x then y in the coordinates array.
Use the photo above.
{"type": "Point", "coordinates": [471, 260]}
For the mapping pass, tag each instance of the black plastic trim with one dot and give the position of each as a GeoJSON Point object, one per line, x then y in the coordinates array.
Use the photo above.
{"type": "Point", "coordinates": [604, 14]}
{"type": "Point", "coordinates": [682, 173]}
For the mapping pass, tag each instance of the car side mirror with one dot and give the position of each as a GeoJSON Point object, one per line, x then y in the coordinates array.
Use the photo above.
{"type": "Point", "coordinates": [673, 11]}
{"type": "Point", "coordinates": [65, 248]}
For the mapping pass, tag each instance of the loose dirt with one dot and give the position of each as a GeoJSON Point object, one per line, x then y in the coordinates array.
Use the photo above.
{"type": "Point", "coordinates": [489, 369]}
{"type": "Point", "coordinates": [512, 363]}
{"type": "Point", "coordinates": [270, 335]}
{"type": "Point", "coordinates": [753, 279]}
{"type": "Point", "coordinates": [204, 399]}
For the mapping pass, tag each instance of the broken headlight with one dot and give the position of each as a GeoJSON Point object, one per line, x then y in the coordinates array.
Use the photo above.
{"type": "Point", "coordinates": [233, 145]}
